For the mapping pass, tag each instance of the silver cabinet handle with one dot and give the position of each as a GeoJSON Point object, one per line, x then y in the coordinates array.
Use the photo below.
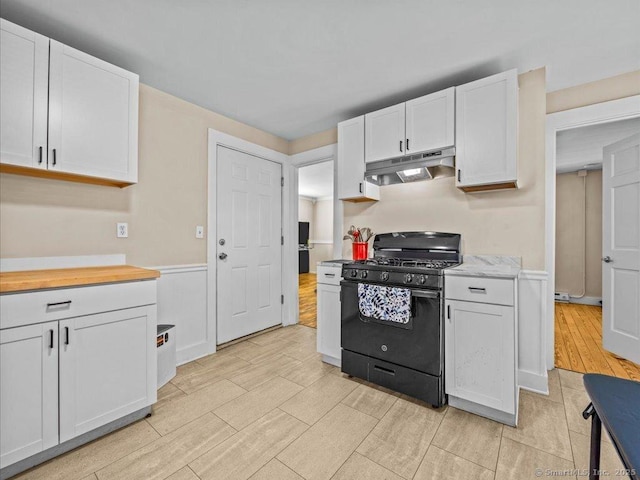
{"type": "Point", "coordinates": [222, 256]}
{"type": "Point", "coordinates": [329, 274]}
{"type": "Point", "coordinates": [607, 259]}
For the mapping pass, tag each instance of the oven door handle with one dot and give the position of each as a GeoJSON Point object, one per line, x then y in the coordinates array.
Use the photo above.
{"type": "Point", "coordinates": [425, 294]}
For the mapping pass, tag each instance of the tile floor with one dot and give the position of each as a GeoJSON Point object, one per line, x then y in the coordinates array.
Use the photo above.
{"type": "Point", "coordinates": [268, 408]}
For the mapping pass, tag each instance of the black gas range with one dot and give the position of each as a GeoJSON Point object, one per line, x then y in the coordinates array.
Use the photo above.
{"type": "Point", "coordinates": [392, 327]}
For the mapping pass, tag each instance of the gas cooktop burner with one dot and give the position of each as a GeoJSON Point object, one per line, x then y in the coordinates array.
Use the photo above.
{"type": "Point", "coordinates": [408, 262]}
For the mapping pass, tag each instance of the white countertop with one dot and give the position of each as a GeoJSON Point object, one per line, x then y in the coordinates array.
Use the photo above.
{"type": "Point", "coordinates": [338, 262]}
{"type": "Point", "coordinates": [497, 266]}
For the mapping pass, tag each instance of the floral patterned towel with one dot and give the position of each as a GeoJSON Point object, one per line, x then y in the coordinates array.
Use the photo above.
{"type": "Point", "coordinates": [390, 304]}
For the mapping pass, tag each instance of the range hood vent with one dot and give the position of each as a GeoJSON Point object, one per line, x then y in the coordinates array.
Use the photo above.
{"type": "Point", "coordinates": [412, 168]}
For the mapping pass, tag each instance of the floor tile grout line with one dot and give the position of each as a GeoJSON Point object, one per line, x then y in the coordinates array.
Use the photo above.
{"type": "Point", "coordinates": [189, 467]}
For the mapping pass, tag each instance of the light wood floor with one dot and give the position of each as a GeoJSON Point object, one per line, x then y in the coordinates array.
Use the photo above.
{"type": "Point", "coordinates": [268, 408]}
{"type": "Point", "coordinates": [578, 343]}
{"type": "Point", "coordinates": [307, 295]}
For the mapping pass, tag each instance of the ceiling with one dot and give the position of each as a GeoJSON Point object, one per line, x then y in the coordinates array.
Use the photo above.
{"type": "Point", "coordinates": [580, 148]}
{"type": "Point", "coordinates": [296, 67]}
{"type": "Point", "coordinates": [316, 181]}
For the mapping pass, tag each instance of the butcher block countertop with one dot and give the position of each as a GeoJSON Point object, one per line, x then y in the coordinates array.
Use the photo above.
{"type": "Point", "coordinates": [72, 277]}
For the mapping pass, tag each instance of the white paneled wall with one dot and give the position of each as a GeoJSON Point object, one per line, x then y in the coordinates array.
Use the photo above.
{"type": "Point", "coordinates": [532, 318]}
{"type": "Point", "coordinates": [182, 301]}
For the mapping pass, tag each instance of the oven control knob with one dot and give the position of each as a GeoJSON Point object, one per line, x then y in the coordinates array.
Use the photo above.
{"type": "Point", "coordinates": [354, 273]}
{"type": "Point", "coordinates": [408, 277]}
{"type": "Point", "coordinates": [384, 276]}
{"type": "Point", "coordinates": [363, 274]}
{"type": "Point", "coordinates": [421, 279]}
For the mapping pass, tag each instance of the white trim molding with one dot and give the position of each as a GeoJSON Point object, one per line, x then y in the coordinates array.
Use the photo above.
{"type": "Point", "coordinates": [182, 301]}
{"type": "Point", "coordinates": [596, 301]}
{"type": "Point", "coordinates": [532, 312]}
{"type": "Point", "coordinates": [604, 112]}
{"type": "Point", "coordinates": [289, 226]}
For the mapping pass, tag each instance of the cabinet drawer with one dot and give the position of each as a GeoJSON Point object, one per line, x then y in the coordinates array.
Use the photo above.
{"type": "Point", "coordinates": [17, 309]}
{"type": "Point", "coordinates": [329, 275]}
{"type": "Point", "coordinates": [499, 291]}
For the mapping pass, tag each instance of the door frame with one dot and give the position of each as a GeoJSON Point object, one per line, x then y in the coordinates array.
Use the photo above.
{"type": "Point", "coordinates": [605, 112]}
{"type": "Point", "coordinates": [289, 309]}
{"type": "Point", "coordinates": [304, 159]}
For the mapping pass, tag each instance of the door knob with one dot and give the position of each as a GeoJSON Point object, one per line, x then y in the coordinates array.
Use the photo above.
{"type": "Point", "coordinates": [607, 259]}
{"type": "Point", "coordinates": [222, 256]}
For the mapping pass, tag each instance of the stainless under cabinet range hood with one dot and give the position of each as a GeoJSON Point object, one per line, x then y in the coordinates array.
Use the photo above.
{"type": "Point", "coordinates": [412, 168]}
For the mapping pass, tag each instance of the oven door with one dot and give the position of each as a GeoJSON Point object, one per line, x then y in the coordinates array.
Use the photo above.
{"type": "Point", "coordinates": [417, 347]}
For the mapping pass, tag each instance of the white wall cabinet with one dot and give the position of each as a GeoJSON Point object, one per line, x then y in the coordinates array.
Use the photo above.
{"type": "Point", "coordinates": [28, 391]}
{"type": "Point", "coordinates": [486, 133]}
{"type": "Point", "coordinates": [350, 163]}
{"type": "Point", "coordinates": [422, 124]}
{"type": "Point", "coordinates": [82, 363]}
{"type": "Point", "coordinates": [384, 133]}
{"type": "Point", "coordinates": [24, 71]}
{"type": "Point", "coordinates": [481, 346]}
{"type": "Point", "coordinates": [86, 106]}
{"type": "Point", "coordinates": [430, 121]}
{"type": "Point", "coordinates": [329, 314]}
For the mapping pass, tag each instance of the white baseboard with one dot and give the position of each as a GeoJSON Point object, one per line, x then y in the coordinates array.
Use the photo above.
{"type": "Point", "coordinates": [597, 301]}
{"type": "Point", "coordinates": [534, 382]}
{"type": "Point", "coordinates": [182, 301]}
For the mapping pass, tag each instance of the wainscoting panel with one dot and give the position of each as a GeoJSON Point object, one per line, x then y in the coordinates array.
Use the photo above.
{"type": "Point", "coordinates": [532, 319]}
{"type": "Point", "coordinates": [182, 301]}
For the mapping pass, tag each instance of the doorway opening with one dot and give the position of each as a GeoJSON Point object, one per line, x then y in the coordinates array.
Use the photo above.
{"type": "Point", "coordinates": [578, 314]}
{"type": "Point", "coordinates": [315, 232]}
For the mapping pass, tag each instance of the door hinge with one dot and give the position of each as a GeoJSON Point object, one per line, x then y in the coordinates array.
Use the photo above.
{"type": "Point", "coordinates": [281, 240]}
{"type": "Point", "coordinates": [282, 299]}
{"type": "Point", "coordinates": [282, 181]}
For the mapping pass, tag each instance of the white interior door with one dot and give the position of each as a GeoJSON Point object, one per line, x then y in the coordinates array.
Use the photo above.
{"type": "Point", "coordinates": [249, 251]}
{"type": "Point", "coordinates": [621, 248]}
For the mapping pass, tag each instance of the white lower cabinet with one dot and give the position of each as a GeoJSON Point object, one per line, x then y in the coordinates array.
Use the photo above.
{"type": "Point", "coordinates": [104, 363]}
{"type": "Point", "coordinates": [28, 391]}
{"type": "Point", "coordinates": [481, 347]}
{"type": "Point", "coordinates": [328, 304]}
{"type": "Point", "coordinates": [60, 379]}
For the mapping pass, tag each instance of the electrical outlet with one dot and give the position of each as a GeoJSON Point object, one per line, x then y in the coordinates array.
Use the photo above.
{"type": "Point", "coordinates": [122, 230]}
{"type": "Point", "coordinates": [199, 231]}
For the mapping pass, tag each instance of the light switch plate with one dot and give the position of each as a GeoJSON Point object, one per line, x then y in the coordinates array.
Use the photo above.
{"type": "Point", "coordinates": [199, 231]}
{"type": "Point", "coordinates": [122, 230]}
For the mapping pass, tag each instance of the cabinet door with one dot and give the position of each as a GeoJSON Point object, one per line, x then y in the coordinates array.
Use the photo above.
{"type": "Point", "coordinates": [329, 320]}
{"type": "Point", "coordinates": [24, 71]}
{"type": "Point", "coordinates": [486, 131]}
{"type": "Point", "coordinates": [28, 391]}
{"type": "Point", "coordinates": [431, 121]}
{"type": "Point", "coordinates": [384, 133]}
{"type": "Point", "coordinates": [480, 354]}
{"type": "Point", "coordinates": [350, 163]}
{"type": "Point", "coordinates": [107, 368]}
{"type": "Point", "coordinates": [93, 116]}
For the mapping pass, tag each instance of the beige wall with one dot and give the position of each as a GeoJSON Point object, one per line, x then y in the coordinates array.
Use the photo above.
{"type": "Point", "coordinates": [613, 88]}
{"type": "Point", "coordinates": [506, 222]}
{"type": "Point", "coordinates": [305, 213]}
{"type": "Point", "coordinates": [570, 233]}
{"type": "Point", "coordinates": [322, 228]}
{"type": "Point", "coordinates": [320, 139]}
{"type": "Point", "coordinates": [43, 217]}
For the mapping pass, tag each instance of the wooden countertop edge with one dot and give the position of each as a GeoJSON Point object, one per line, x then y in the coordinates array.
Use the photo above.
{"type": "Point", "coordinates": [12, 282]}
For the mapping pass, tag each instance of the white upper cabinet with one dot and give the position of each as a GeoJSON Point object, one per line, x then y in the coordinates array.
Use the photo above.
{"type": "Point", "coordinates": [350, 162]}
{"type": "Point", "coordinates": [385, 133]}
{"type": "Point", "coordinates": [486, 133]}
{"type": "Point", "coordinates": [24, 70]}
{"type": "Point", "coordinates": [430, 121]}
{"type": "Point", "coordinates": [65, 114]}
{"type": "Point", "coordinates": [93, 116]}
